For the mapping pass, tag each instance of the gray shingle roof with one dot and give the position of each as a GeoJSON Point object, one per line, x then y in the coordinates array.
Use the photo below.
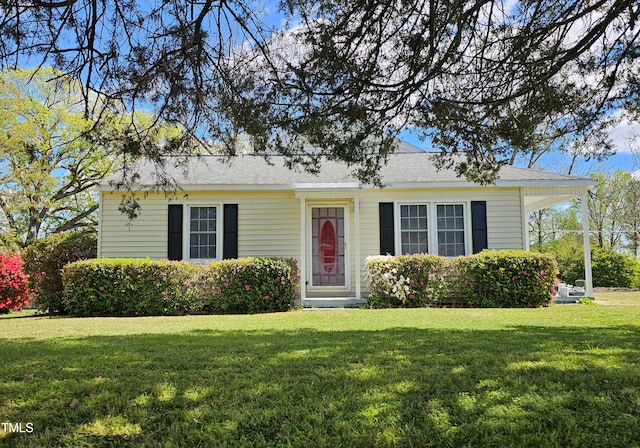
{"type": "Point", "coordinates": [403, 169]}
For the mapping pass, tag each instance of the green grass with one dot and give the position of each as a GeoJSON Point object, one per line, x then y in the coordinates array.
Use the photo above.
{"type": "Point", "coordinates": [567, 375]}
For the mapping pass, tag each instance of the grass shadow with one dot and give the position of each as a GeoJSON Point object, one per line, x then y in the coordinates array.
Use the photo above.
{"type": "Point", "coordinates": [522, 386]}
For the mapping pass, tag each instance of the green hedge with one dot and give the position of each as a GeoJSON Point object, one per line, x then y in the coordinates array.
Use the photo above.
{"type": "Point", "coordinates": [406, 280]}
{"type": "Point", "coordinates": [609, 268]}
{"type": "Point", "coordinates": [44, 260]}
{"type": "Point", "coordinates": [506, 279]}
{"type": "Point", "coordinates": [250, 285]}
{"type": "Point", "coordinates": [135, 287]}
{"type": "Point", "coordinates": [130, 287]}
{"type": "Point", "coordinates": [488, 279]}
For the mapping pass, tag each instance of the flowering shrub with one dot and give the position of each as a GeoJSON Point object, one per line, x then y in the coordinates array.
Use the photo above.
{"type": "Point", "coordinates": [44, 260]}
{"type": "Point", "coordinates": [130, 287]}
{"type": "Point", "coordinates": [508, 279]}
{"type": "Point", "coordinates": [14, 291]}
{"type": "Point", "coordinates": [250, 285]}
{"type": "Point", "coordinates": [489, 279]}
{"type": "Point", "coordinates": [406, 281]}
{"type": "Point", "coordinates": [133, 287]}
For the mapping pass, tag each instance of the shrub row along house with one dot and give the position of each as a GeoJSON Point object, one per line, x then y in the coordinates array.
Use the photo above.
{"type": "Point", "coordinates": [328, 222]}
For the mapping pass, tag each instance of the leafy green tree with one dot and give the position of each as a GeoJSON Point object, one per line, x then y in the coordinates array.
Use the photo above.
{"type": "Point", "coordinates": [550, 224]}
{"type": "Point", "coordinates": [52, 156]}
{"type": "Point", "coordinates": [631, 215]}
{"type": "Point", "coordinates": [48, 165]}
{"type": "Point", "coordinates": [483, 78]}
{"type": "Point", "coordinates": [611, 205]}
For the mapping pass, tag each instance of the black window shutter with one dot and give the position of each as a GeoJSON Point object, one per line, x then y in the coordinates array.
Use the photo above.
{"type": "Point", "coordinates": [387, 245]}
{"type": "Point", "coordinates": [230, 232]}
{"type": "Point", "coordinates": [175, 232]}
{"type": "Point", "coordinates": [479, 225]}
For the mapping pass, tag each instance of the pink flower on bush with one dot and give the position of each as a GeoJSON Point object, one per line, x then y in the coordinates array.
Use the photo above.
{"type": "Point", "coordinates": [266, 297]}
{"type": "Point", "coordinates": [542, 272]}
{"type": "Point", "coordinates": [412, 296]}
{"type": "Point", "coordinates": [165, 297]}
{"type": "Point", "coordinates": [101, 288]}
{"type": "Point", "coordinates": [412, 281]}
{"type": "Point", "coordinates": [282, 282]}
{"type": "Point", "coordinates": [296, 289]}
{"type": "Point", "coordinates": [421, 283]}
{"type": "Point", "coordinates": [219, 291]}
{"type": "Point", "coordinates": [247, 287]}
{"type": "Point", "coordinates": [225, 284]}
{"type": "Point", "coordinates": [526, 273]}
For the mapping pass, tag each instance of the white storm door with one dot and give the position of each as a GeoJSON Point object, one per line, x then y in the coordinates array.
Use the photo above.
{"type": "Point", "coordinates": [328, 246]}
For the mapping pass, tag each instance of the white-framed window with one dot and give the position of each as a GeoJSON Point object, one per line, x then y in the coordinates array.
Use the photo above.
{"type": "Point", "coordinates": [428, 227]}
{"type": "Point", "coordinates": [451, 229]}
{"type": "Point", "coordinates": [202, 235]}
{"type": "Point", "coordinates": [414, 230]}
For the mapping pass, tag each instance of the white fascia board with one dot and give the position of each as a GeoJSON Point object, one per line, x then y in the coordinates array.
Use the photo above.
{"type": "Point", "coordinates": [580, 182]}
{"type": "Point", "coordinates": [327, 186]}
{"type": "Point", "coordinates": [206, 187]}
{"type": "Point", "coordinates": [499, 183]}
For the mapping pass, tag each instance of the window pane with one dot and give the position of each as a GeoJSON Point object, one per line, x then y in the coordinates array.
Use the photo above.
{"type": "Point", "coordinates": [450, 230]}
{"type": "Point", "coordinates": [413, 229]}
{"type": "Point", "coordinates": [202, 232]}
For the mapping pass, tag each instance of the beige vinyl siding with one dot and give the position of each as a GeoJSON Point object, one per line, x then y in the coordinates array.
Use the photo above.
{"type": "Point", "coordinates": [145, 236]}
{"type": "Point", "coordinates": [504, 219]}
{"type": "Point", "coordinates": [268, 223]}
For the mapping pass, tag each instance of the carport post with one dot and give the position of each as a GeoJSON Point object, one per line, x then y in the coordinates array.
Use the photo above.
{"type": "Point", "coordinates": [586, 236]}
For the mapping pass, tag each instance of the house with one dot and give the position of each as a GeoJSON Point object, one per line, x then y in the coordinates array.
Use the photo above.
{"type": "Point", "coordinates": [328, 222]}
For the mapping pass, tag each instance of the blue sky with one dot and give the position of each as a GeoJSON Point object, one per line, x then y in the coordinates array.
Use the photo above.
{"type": "Point", "coordinates": [558, 162]}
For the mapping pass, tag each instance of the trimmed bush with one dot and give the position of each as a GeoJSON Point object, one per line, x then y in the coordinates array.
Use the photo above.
{"type": "Point", "coordinates": [130, 287]}
{"type": "Point", "coordinates": [406, 280]}
{"type": "Point", "coordinates": [611, 268]}
{"type": "Point", "coordinates": [136, 287]}
{"type": "Point", "coordinates": [635, 283]}
{"type": "Point", "coordinates": [250, 285]}
{"type": "Point", "coordinates": [14, 290]}
{"type": "Point", "coordinates": [44, 260]}
{"type": "Point", "coordinates": [506, 279]}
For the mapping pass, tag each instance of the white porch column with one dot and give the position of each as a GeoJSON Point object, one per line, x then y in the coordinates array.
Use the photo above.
{"type": "Point", "coordinates": [356, 202]}
{"type": "Point", "coordinates": [586, 236]}
{"type": "Point", "coordinates": [303, 256]}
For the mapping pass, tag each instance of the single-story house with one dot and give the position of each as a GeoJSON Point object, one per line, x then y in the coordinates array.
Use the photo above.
{"type": "Point", "coordinates": [329, 222]}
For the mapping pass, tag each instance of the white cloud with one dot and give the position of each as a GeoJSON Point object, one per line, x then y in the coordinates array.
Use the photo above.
{"type": "Point", "coordinates": [624, 134]}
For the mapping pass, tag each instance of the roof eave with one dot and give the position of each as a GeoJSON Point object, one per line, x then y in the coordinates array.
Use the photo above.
{"type": "Point", "coordinates": [578, 182]}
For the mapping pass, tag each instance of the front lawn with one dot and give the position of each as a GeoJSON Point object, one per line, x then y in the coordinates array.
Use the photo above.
{"type": "Point", "coordinates": [567, 375]}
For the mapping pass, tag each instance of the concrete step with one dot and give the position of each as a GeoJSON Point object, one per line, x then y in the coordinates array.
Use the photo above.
{"type": "Point", "coordinates": [333, 302]}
